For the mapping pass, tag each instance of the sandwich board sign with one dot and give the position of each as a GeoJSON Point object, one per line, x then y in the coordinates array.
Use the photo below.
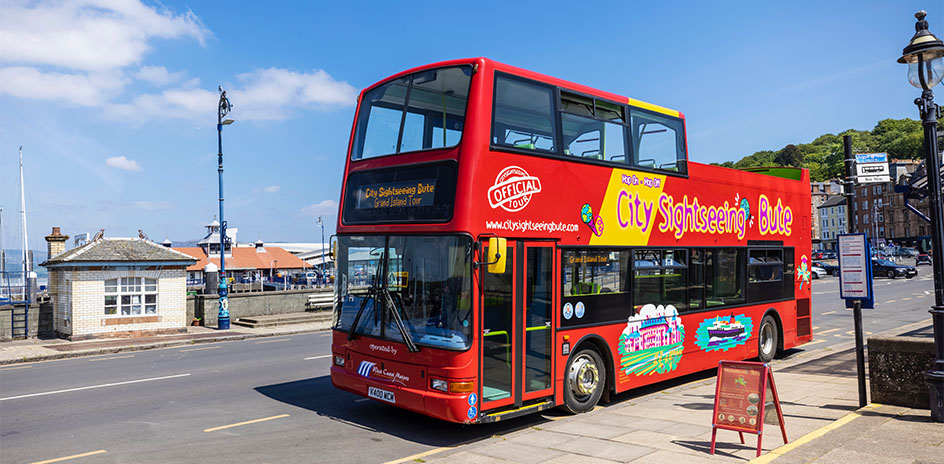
{"type": "Point", "coordinates": [742, 403]}
{"type": "Point", "coordinates": [872, 168]}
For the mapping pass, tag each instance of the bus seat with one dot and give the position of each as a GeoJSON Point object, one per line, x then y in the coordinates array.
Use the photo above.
{"type": "Point", "coordinates": [618, 158]}
{"type": "Point", "coordinates": [592, 154]}
{"type": "Point", "coordinates": [646, 163]}
{"type": "Point", "coordinates": [673, 166]}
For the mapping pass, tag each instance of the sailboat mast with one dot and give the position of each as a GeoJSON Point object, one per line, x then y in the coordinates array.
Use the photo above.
{"type": "Point", "coordinates": [3, 254]}
{"type": "Point", "coordinates": [27, 265]}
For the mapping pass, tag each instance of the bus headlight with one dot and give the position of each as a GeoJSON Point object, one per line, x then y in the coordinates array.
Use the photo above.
{"type": "Point", "coordinates": [439, 384]}
{"type": "Point", "coordinates": [339, 360]}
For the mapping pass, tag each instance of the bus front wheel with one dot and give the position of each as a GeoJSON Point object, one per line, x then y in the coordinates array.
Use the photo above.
{"type": "Point", "coordinates": [586, 378]}
{"type": "Point", "coordinates": [767, 339]}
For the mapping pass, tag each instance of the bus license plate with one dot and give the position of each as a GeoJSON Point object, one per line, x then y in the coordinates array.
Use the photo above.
{"type": "Point", "coordinates": [382, 395]}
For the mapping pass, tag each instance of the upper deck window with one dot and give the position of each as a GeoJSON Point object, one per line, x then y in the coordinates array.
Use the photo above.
{"type": "Point", "coordinates": [658, 141]}
{"type": "Point", "coordinates": [524, 115]}
{"type": "Point", "coordinates": [422, 111]}
{"type": "Point", "coordinates": [593, 129]}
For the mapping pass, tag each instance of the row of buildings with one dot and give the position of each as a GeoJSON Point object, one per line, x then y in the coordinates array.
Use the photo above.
{"type": "Point", "coordinates": [878, 211]}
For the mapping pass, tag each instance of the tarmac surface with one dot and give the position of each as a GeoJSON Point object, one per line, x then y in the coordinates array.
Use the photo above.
{"type": "Point", "coordinates": [668, 423]}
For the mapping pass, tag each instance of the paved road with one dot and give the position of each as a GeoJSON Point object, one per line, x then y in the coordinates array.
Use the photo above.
{"type": "Point", "coordinates": [270, 400]}
{"type": "Point", "coordinates": [897, 302]}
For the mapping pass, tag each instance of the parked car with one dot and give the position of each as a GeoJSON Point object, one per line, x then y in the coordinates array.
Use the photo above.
{"type": "Point", "coordinates": [923, 258]}
{"type": "Point", "coordinates": [829, 268]}
{"type": "Point", "coordinates": [816, 272]}
{"type": "Point", "coordinates": [884, 267]}
{"type": "Point", "coordinates": [907, 252]}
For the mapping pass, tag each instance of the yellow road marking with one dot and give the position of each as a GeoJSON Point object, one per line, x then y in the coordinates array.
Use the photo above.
{"type": "Point", "coordinates": [816, 327]}
{"type": "Point", "coordinates": [891, 301]}
{"type": "Point", "coordinates": [202, 348]}
{"type": "Point", "coordinates": [17, 367]}
{"type": "Point", "coordinates": [852, 332]}
{"type": "Point", "coordinates": [214, 429]}
{"type": "Point", "coordinates": [113, 357]}
{"type": "Point", "coordinates": [906, 298]}
{"type": "Point", "coordinates": [273, 341]}
{"type": "Point", "coordinates": [826, 331]}
{"type": "Point", "coordinates": [813, 342]}
{"type": "Point", "coordinates": [777, 452]}
{"type": "Point", "coordinates": [829, 312]}
{"type": "Point", "coordinates": [74, 456]}
{"type": "Point", "coordinates": [420, 455]}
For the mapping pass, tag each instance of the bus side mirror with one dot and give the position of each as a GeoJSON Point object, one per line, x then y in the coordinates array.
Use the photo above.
{"type": "Point", "coordinates": [497, 248]}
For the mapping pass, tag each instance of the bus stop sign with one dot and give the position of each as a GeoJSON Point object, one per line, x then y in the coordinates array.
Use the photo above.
{"type": "Point", "coordinates": [855, 270]}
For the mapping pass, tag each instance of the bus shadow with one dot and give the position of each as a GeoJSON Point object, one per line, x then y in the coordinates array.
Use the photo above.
{"type": "Point", "coordinates": [319, 396]}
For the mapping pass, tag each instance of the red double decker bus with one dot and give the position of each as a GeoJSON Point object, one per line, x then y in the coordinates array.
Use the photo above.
{"type": "Point", "coordinates": [509, 242]}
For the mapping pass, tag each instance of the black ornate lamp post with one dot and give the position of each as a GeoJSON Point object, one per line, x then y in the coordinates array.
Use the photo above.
{"type": "Point", "coordinates": [224, 107]}
{"type": "Point", "coordinates": [925, 58]}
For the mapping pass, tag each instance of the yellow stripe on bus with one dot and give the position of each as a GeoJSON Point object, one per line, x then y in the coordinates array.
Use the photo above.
{"type": "Point", "coordinates": [656, 108]}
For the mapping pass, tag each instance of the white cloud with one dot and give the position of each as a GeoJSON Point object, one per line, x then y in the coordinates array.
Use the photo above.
{"type": "Point", "coordinates": [271, 189]}
{"type": "Point", "coordinates": [195, 104]}
{"type": "Point", "coordinates": [324, 207]}
{"type": "Point", "coordinates": [272, 94]}
{"type": "Point", "coordinates": [90, 35]}
{"type": "Point", "coordinates": [121, 162]}
{"type": "Point", "coordinates": [83, 89]}
{"type": "Point", "coordinates": [158, 75]}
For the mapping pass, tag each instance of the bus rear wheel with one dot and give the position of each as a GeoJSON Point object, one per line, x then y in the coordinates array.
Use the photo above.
{"type": "Point", "coordinates": [586, 378]}
{"type": "Point", "coordinates": [767, 339]}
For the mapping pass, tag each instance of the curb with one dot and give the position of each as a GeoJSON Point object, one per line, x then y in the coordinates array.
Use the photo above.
{"type": "Point", "coordinates": [149, 346]}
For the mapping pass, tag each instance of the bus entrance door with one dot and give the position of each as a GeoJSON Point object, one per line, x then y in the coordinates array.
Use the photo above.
{"type": "Point", "coordinates": [517, 327]}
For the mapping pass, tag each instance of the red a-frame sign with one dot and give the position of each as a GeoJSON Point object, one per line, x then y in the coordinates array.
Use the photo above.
{"type": "Point", "coordinates": [741, 398]}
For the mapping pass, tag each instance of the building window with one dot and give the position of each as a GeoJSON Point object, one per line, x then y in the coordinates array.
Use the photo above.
{"type": "Point", "coordinates": [130, 296]}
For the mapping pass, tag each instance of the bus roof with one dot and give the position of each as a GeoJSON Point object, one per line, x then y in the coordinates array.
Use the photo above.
{"type": "Point", "coordinates": [488, 63]}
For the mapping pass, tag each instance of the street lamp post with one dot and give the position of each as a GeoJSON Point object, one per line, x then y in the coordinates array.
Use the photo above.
{"type": "Point", "coordinates": [324, 278]}
{"type": "Point", "coordinates": [224, 108]}
{"type": "Point", "coordinates": [924, 55]}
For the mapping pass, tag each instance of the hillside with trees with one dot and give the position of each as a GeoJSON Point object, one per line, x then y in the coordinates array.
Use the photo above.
{"type": "Point", "coordinates": [900, 138]}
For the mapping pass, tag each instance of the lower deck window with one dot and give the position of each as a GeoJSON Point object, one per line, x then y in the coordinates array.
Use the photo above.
{"type": "Point", "coordinates": [660, 278]}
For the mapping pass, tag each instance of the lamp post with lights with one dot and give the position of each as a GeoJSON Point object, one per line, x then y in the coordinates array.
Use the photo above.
{"type": "Point", "coordinates": [224, 108]}
{"type": "Point", "coordinates": [924, 56]}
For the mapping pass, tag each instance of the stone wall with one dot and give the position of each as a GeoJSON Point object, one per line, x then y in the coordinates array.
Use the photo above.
{"type": "Point", "coordinates": [38, 320]}
{"type": "Point", "coordinates": [206, 307]}
{"type": "Point", "coordinates": [897, 366]}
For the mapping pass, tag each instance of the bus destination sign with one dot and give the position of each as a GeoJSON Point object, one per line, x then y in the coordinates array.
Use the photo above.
{"type": "Point", "coordinates": [397, 194]}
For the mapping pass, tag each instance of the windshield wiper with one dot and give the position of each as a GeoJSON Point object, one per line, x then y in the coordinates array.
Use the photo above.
{"type": "Point", "coordinates": [392, 307]}
{"type": "Point", "coordinates": [386, 300]}
{"type": "Point", "coordinates": [372, 292]}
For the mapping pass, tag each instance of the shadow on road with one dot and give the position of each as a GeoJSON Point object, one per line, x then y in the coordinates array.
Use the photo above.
{"type": "Point", "coordinates": [319, 396]}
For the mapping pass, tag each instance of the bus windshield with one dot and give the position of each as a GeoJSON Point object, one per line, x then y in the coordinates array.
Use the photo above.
{"type": "Point", "coordinates": [421, 111]}
{"type": "Point", "coordinates": [428, 279]}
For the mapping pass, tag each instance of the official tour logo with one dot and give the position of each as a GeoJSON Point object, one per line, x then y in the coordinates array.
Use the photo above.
{"type": "Point", "coordinates": [365, 368]}
{"type": "Point", "coordinates": [513, 189]}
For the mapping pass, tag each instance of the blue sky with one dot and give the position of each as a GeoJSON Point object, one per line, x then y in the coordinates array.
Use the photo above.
{"type": "Point", "coordinates": [114, 100]}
